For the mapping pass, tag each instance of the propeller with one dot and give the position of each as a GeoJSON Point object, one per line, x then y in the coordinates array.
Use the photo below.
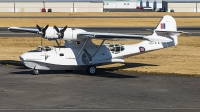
{"type": "Point", "coordinates": [42, 31]}
{"type": "Point", "coordinates": [60, 32]}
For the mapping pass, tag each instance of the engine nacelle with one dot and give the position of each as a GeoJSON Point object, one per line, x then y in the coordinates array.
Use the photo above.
{"type": "Point", "coordinates": [70, 34]}
{"type": "Point", "coordinates": [51, 34]}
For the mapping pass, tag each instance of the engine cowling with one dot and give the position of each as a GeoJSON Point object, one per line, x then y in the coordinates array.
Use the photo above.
{"type": "Point", "coordinates": [51, 34]}
{"type": "Point", "coordinates": [70, 34]}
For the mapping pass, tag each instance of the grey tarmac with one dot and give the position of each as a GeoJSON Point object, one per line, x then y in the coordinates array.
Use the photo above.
{"type": "Point", "coordinates": [106, 91]}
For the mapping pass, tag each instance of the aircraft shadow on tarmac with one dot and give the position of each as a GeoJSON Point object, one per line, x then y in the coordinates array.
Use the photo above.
{"type": "Point", "coordinates": [102, 72]}
{"type": "Point", "coordinates": [11, 62]}
{"type": "Point", "coordinates": [127, 65]}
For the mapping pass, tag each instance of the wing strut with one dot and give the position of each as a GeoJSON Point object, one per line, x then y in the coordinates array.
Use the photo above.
{"type": "Point", "coordinates": [57, 43]}
{"type": "Point", "coordinates": [83, 47]}
{"type": "Point", "coordinates": [98, 48]}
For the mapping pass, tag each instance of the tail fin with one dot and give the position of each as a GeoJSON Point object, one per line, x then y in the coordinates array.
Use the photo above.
{"type": "Point", "coordinates": [167, 28]}
{"type": "Point", "coordinates": [167, 23]}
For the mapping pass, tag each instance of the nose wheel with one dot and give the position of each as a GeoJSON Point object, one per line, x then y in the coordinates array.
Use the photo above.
{"type": "Point", "coordinates": [35, 72]}
{"type": "Point", "coordinates": [91, 70]}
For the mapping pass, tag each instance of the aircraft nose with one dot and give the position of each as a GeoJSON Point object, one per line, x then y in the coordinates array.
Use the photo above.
{"type": "Point", "coordinates": [22, 58]}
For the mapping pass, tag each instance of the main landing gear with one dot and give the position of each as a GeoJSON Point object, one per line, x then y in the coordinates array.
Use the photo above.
{"type": "Point", "coordinates": [35, 72]}
{"type": "Point", "coordinates": [91, 70]}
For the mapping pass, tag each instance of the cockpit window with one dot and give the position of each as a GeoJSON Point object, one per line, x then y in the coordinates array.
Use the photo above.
{"type": "Point", "coordinates": [44, 48]}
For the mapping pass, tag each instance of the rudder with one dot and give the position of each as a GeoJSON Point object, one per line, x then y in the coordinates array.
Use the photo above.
{"type": "Point", "coordinates": [167, 27]}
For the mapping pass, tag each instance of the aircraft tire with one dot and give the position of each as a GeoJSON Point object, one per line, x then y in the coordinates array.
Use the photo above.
{"type": "Point", "coordinates": [91, 70]}
{"type": "Point", "coordinates": [35, 72]}
{"type": "Point", "coordinates": [68, 71]}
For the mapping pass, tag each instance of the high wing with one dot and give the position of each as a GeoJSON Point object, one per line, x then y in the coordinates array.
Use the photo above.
{"type": "Point", "coordinates": [80, 34]}
{"type": "Point", "coordinates": [115, 36]}
{"type": "Point", "coordinates": [17, 29]}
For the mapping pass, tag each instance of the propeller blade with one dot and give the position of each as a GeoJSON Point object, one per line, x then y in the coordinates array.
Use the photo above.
{"type": "Point", "coordinates": [44, 29]}
{"type": "Point", "coordinates": [56, 28]}
{"type": "Point", "coordinates": [38, 27]}
{"type": "Point", "coordinates": [63, 30]}
{"type": "Point", "coordinates": [60, 33]}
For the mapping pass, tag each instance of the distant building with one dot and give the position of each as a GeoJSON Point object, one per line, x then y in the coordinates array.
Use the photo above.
{"type": "Point", "coordinates": [181, 5]}
{"type": "Point", "coordinates": [130, 4]}
{"type": "Point", "coordinates": [51, 5]}
{"type": "Point", "coordinates": [96, 5]}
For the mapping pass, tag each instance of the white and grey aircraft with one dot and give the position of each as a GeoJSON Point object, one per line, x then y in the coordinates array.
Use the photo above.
{"type": "Point", "coordinates": [79, 52]}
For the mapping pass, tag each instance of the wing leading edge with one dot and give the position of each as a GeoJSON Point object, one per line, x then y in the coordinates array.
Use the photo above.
{"type": "Point", "coordinates": [115, 36]}
{"type": "Point", "coordinates": [17, 29]}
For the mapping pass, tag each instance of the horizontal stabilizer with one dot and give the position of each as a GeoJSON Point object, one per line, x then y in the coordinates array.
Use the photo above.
{"type": "Point", "coordinates": [171, 32]}
{"type": "Point", "coordinates": [149, 30]}
{"type": "Point", "coordinates": [158, 38]}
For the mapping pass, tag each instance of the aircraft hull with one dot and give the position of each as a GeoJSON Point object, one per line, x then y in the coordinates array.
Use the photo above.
{"type": "Point", "coordinates": [48, 66]}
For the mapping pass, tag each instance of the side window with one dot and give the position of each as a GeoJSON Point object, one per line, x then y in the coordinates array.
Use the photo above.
{"type": "Point", "coordinates": [77, 42]}
{"type": "Point", "coordinates": [61, 54]}
{"type": "Point", "coordinates": [151, 42]}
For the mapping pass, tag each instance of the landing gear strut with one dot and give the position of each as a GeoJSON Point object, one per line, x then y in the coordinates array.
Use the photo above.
{"type": "Point", "coordinates": [91, 70]}
{"type": "Point", "coordinates": [35, 72]}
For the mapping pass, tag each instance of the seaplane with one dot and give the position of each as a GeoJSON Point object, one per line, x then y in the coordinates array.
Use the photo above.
{"type": "Point", "coordinates": [79, 52]}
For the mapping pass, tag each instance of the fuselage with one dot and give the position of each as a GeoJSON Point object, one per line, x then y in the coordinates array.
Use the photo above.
{"type": "Point", "coordinates": [74, 56]}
